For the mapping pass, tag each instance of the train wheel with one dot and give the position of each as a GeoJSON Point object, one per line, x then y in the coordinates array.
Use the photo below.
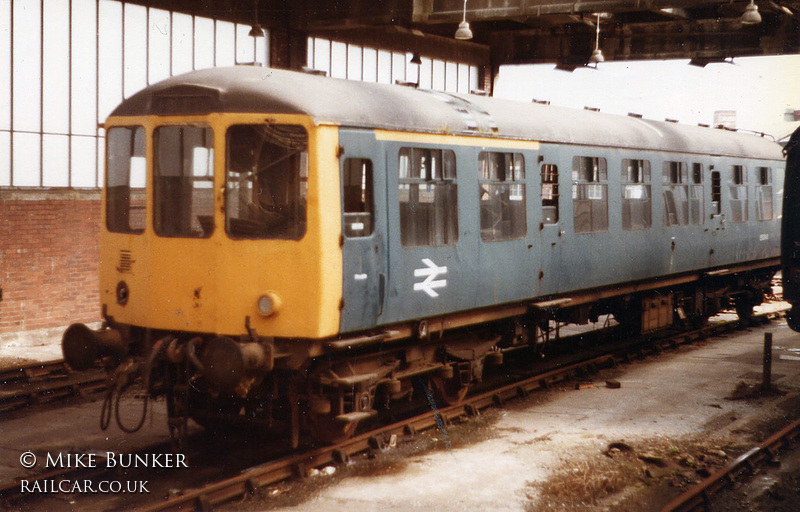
{"type": "Point", "coordinates": [214, 413]}
{"type": "Point", "coordinates": [698, 321]}
{"type": "Point", "coordinates": [629, 316]}
{"type": "Point", "coordinates": [326, 429]}
{"type": "Point", "coordinates": [744, 309]}
{"type": "Point", "coordinates": [451, 391]}
{"type": "Point", "coordinates": [214, 426]}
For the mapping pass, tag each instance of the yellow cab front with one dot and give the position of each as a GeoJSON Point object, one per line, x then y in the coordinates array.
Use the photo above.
{"type": "Point", "coordinates": [222, 223]}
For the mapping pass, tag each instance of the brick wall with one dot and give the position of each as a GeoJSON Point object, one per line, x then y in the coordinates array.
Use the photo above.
{"type": "Point", "coordinates": [48, 258]}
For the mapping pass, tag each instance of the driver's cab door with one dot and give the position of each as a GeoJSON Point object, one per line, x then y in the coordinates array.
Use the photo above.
{"type": "Point", "coordinates": [363, 196]}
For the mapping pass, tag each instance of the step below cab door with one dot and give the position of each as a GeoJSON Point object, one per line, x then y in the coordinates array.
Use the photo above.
{"type": "Point", "coordinates": [363, 193]}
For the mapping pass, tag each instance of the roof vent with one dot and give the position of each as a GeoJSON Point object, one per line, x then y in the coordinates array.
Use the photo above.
{"type": "Point", "coordinates": [632, 114]}
{"type": "Point", "coordinates": [671, 120]}
{"type": "Point", "coordinates": [703, 125]}
{"type": "Point", "coordinates": [593, 109]}
{"type": "Point", "coordinates": [312, 71]}
{"type": "Point", "coordinates": [541, 102]}
{"type": "Point", "coordinates": [479, 92]}
{"type": "Point", "coordinates": [185, 100]}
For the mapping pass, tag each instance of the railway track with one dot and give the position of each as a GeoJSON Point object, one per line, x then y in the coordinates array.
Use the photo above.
{"type": "Point", "coordinates": [297, 465]}
{"type": "Point", "coordinates": [700, 496]}
{"type": "Point", "coordinates": [249, 481]}
{"type": "Point", "coordinates": [45, 383]}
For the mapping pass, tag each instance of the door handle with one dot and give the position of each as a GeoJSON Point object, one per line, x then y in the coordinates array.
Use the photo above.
{"type": "Point", "coordinates": [381, 291]}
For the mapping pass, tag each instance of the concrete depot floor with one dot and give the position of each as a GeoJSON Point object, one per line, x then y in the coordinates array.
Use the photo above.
{"type": "Point", "coordinates": [664, 399]}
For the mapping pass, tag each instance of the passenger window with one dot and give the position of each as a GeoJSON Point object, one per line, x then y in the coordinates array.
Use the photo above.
{"type": "Point", "coordinates": [590, 194]}
{"type": "Point", "coordinates": [696, 195]}
{"type": "Point", "coordinates": [183, 181]}
{"type": "Point", "coordinates": [636, 203]}
{"type": "Point", "coordinates": [427, 196]}
{"type": "Point", "coordinates": [358, 205]}
{"type": "Point", "coordinates": [501, 193]}
{"type": "Point", "coordinates": [764, 209]}
{"type": "Point", "coordinates": [738, 190]}
{"type": "Point", "coordinates": [716, 193]}
{"type": "Point", "coordinates": [676, 194]}
{"type": "Point", "coordinates": [549, 194]}
{"type": "Point", "coordinates": [125, 180]}
{"type": "Point", "coordinates": [266, 181]}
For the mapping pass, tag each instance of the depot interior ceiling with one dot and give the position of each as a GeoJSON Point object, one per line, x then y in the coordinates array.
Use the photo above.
{"type": "Point", "coordinates": [529, 31]}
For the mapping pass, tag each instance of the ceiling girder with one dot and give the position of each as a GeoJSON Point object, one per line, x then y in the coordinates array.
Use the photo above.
{"type": "Point", "coordinates": [523, 31]}
{"type": "Point", "coordinates": [451, 11]}
{"type": "Point", "coordinates": [400, 39]}
{"type": "Point", "coordinates": [664, 40]}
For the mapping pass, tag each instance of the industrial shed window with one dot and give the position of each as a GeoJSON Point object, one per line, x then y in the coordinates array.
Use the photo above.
{"type": "Point", "coordinates": [636, 201]}
{"type": "Point", "coordinates": [266, 181]}
{"type": "Point", "coordinates": [501, 192]}
{"type": "Point", "coordinates": [738, 190]}
{"type": "Point", "coordinates": [427, 194]}
{"type": "Point", "coordinates": [764, 209]}
{"type": "Point", "coordinates": [127, 170]}
{"type": "Point", "coordinates": [183, 181]}
{"type": "Point", "coordinates": [676, 193]}
{"type": "Point", "coordinates": [549, 194]}
{"type": "Point", "coordinates": [590, 194]}
{"type": "Point", "coordinates": [358, 205]}
{"type": "Point", "coordinates": [696, 215]}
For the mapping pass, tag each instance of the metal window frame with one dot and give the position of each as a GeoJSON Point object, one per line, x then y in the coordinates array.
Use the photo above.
{"type": "Point", "coordinates": [99, 134]}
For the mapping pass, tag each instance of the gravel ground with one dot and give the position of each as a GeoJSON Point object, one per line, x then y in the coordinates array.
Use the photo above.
{"type": "Point", "coordinates": [673, 421]}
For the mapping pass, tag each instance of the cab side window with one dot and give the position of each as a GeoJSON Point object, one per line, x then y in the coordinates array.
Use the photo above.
{"type": "Point", "coordinates": [358, 204]}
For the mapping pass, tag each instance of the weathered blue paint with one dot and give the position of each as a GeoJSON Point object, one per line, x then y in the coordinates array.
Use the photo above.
{"type": "Point", "coordinates": [552, 260]}
{"type": "Point", "coordinates": [364, 268]}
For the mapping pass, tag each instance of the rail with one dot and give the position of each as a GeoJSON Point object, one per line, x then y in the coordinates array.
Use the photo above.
{"type": "Point", "coordinates": [296, 465]}
{"type": "Point", "coordinates": [698, 497]}
{"type": "Point", "coordinates": [44, 383]}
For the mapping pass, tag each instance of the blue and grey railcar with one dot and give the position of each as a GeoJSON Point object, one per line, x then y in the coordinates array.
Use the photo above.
{"type": "Point", "coordinates": [290, 248]}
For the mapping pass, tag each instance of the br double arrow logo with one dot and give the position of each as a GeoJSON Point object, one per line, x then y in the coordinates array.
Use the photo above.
{"type": "Point", "coordinates": [430, 272]}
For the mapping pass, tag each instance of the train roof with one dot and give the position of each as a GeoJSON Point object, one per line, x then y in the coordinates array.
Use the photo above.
{"type": "Point", "coordinates": [250, 89]}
